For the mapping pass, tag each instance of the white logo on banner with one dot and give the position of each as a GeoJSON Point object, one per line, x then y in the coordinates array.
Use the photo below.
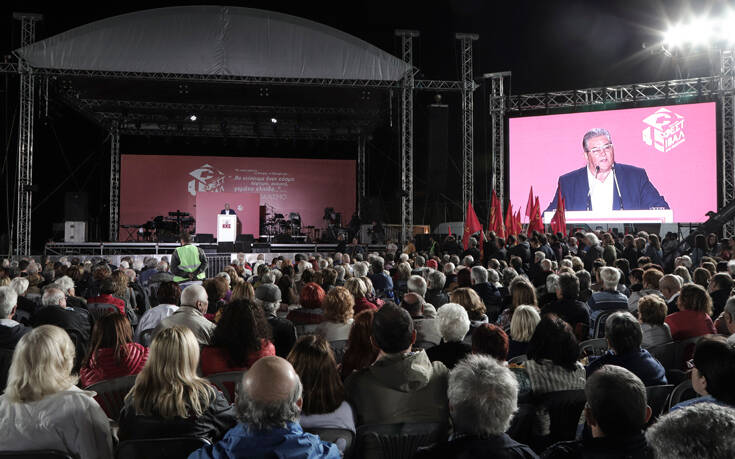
{"type": "Point", "coordinates": [206, 178]}
{"type": "Point", "coordinates": [240, 207]}
{"type": "Point", "coordinates": [664, 130]}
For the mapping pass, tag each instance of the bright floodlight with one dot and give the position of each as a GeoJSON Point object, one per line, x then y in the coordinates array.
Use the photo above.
{"type": "Point", "coordinates": [192, 118]}
{"type": "Point", "coordinates": [274, 121]}
{"type": "Point", "coordinates": [700, 31]}
{"type": "Point", "coordinates": [674, 37]}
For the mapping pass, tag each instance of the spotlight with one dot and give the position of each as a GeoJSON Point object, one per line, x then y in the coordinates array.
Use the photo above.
{"type": "Point", "coordinates": [274, 121]}
{"type": "Point", "coordinates": [192, 118]}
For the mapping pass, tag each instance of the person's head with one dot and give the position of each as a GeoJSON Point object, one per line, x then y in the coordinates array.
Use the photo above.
{"type": "Point", "coordinates": [241, 331]}
{"type": "Point", "coordinates": [694, 297]}
{"type": "Point", "coordinates": [721, 281]}
{"type": "Point", "coordinates": [523, 323]}
{"type": "Point", "coordinates": [616, 403]}
{"type": "Point", "coordinates": [41, 365]}
{"type": "Point", "coordinates": [652, 278]}
{"type": "Point", "coordinates": [728, 314]}
{"type": "Point", "coordinates": [338, 305]}
{"type": "Point", "coordinates": [269, 395]}
{"type": "Point", "coordinates": [552, 283]}
{"type": "Point", "coordinates": [313, 361]}
{"type": "Point", "coordinates": [568, 287]}
{"type": "Point", "coordinates": [464, 277]}
{"type": "Point", "coordinates": [701, 276]}
{"type": "Point", "coordinates": [482, 395]}
{"type": "Point", "coordinates": [609, 277]}
{"type": "Point", "coordinates": [436, 280]}
{"type": "Point", "coordinates": [311, 296]}
{"type": "Point", "coordinates": [393, 330]}
{"type": "Point", "coordinates": [417, 284]}
{"type": "Point", "coordinates": [185, 238]}
{"type": "Point", "coordinates": [478, 275]}
{"type": "Point", "coordinates": [414, 304]}
{"type": "Point", "coordinates": [268, 297]}
{"type": "Point", "coordinates": [361, 352]}
{"type": "Point", "coordinates": [522, 292]}
{"type": "Point", "coordinates": [8, 301]}
{"type": "Point", "coordinates": [702, 430]}
{"type": "Point", "coordinates": [652, 310]}
{"type": "Point", "coordinates": [684, 274]}
{"type": "Point", "coordinates": [168, 385]}
{"type": "Point", "coordinates": [195, 296]}
{"type": "Point", "coordinates": [713, 369]}
{"type": "Point", "coordinates": [585, 279]}
{"type": "Point", "coordinates": [598, 150]}
{"type": "Point", "coordinates": [669, 285]}
{"type": "Point", "coordinates": [53, 297]}
{"type": "Point", "coordinates": [243, 291]}
{"type": "Point", "coordinates": [489, 339]}
{"type": "Point", "coordinates": [554, 340]}
{"type": "Point", "coordinates": [590, 239]}
{"type": "Point", "coordinates": [454, 323]}
{"type": "Point", "coordinates": [623, 332]}
{"type": "Point", "coordinates": [470, 300]}
{"type": "Point", "coordinates": [112, 331]}
{"type": "Point", "coordinates": [20, 285]}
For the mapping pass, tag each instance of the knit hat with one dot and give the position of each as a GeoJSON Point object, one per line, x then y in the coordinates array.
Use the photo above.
{"type": "Point", "coordinates": [268, 293]}
{"type": "Point", "coordinates": [432, 264]}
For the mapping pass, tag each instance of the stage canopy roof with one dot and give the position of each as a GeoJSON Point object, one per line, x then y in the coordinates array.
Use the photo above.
{"type": "Point", "coordinates": [214, 40]}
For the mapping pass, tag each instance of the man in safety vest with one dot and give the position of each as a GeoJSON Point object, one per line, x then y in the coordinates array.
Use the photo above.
{"type": "Point", "coordinates": [188, 262]}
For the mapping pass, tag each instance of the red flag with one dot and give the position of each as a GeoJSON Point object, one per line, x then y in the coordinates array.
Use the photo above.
{"type": "Point", "coordinates": [518, 226]}
{"type": "Point", "coordinates": [496, 217]}
{"type": "Point", "coordinates": [471, 225]}
{"type": "Point", "coordinates": [536, 223]}
{"type": "Point", "coordinates": [509, 223]}
{"type": "Point", "coordinates": [559, 222]}
{"type": "Point", "coordinates": [529, 204]}
{"type": "Point", "coordinates": [450, 230]}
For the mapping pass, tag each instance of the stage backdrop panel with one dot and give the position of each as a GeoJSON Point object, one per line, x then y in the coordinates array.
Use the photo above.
{"type": "Point", "coordinates": [152, 185]}
{"type": "Point", "coordinates": [676, 145]}
{"type": "Point", "coordinates": [245, 205]}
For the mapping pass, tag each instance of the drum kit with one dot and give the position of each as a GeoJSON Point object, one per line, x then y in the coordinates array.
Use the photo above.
{"type": "Point", "coordinates": [278, 225]}
{"type": "Point", "coordinates": [162, 229]}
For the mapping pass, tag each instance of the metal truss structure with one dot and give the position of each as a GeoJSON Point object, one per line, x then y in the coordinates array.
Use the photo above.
{"type": "Point", "coordinates": [468, 138]}
{"type": "Point", "coordinates": [497, 104]}
{"type": "Point", "coordinates": [407, 88]}
{"type": "Point", "coordinates": [727, 106]}
{"type": "Point", "coordinates": [21, 245]}
{"type": "Point", "coordinates": [114, 180]}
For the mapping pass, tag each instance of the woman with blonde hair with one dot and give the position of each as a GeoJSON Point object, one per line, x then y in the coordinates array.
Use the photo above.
{"type": "Point", "coordinates": [42, 408]}
{"type": "Point", "coordinates": [356, 286]}
{"type": "Point", "coordinates": [522, 292]}
{"type": "Point", "coordinates": [338, 309]}
{"type": "Point", "coordinates": [169, 399]}
{"type": "Point", "coordinates": [522, 325]}
{"type": "Point", "coordinates": [242, 291]}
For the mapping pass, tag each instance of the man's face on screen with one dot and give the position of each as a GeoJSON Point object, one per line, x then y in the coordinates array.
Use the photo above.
{"type": "Point", "coordinates": [600, 152]}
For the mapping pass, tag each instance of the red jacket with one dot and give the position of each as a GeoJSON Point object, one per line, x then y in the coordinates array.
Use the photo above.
{"type": "Point", "coordinates": [109, 299]}
{"type": "Point", "coordinates": [363, 305]}
{"type": "Point", "coordinates": [216, 360]}
{"type": "Point", "coordinates": [102, 365]}
{"type": "Point", "coordinates": [689, 324]}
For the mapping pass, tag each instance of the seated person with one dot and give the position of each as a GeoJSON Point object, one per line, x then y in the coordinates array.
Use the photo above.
{"type": "Point", "coordinates": [490, 339]}
{"type": "Point", "coordinates": [360, 351]}
{"type": "Point", "coordinates": [454, 324]}
{"type": "Point", "coordinates": [725, 324]}
{"type": "Point", "coordinates": [338, 309]}
{"type": "Point", "coordinates": [401, 386]}
{"type": "Point", "coordinates": [616, 413]}
{"type": "Point", "coordinates": [241, 337]}
{"type": "Point", "coordinates": [42, 408]}
{"type": "Point", "coordinates": [311, 299]}
{"type": "Point", "coordinates": [573, 311]}
{"type": "Point", "coordinates": [702, 431]}
{"type": "Point", "coordinates": [651, 314]}
{"type": "Point", "coordinates": [651, 280]}
{"type": "Point", "coordinates": [623, 334]}
{"type": "Point", "coordinates": [522, 325]}
{"type": "Point", "coordinates": [693, 318]}
{"type": "Point", "coordinates": [268, 405]}
{"type": "Point", "coordinates": [427, 328]}
{"type": "Point", "coordinates": [194, 304]}
{"type": "Point", "coordinates": [713, 373]}
{"type": "Point", "coordinates": [482, 398]}
{"type": "Point", "coordinates": [268, 297]}
{"type": "Point", "coordinates": [169, 297]}
{"type": "Point", "coordinates": [609, 298]}
{"type": "Point", "coordinates": [169, 399]}
{"type": "Point", "coordinates": [112, 352]}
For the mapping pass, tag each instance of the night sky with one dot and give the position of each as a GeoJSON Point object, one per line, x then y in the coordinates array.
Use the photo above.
{"type": "Point", "coordinates": [551, 45]}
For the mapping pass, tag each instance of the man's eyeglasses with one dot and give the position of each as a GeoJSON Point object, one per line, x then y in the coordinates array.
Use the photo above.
{"type": "Point", "coordinates": [600, 149]}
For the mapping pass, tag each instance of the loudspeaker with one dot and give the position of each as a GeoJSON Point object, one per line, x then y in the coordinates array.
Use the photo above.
{"type": "Point", "coordinates": [260, 247]}
{"type": "Point", "coordinates": [245, 238]}
{"type": "Point", "coordinates": [243, 246]}
{"type": "Point", "coordinates": [225, 247]}
{"type": "Point", "coordinates": [206, 238]}
{"type": "Point", "coordinates": [76, 206]}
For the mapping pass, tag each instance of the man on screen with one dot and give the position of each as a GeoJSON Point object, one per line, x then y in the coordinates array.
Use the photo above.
{"type": "Point", "coordinates": [227, 210]}
{"type": "Point", "coordinates": [604, 185]}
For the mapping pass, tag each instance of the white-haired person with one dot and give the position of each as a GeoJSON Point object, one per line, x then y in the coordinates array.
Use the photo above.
{"type": "Point", "coordinates": [435, 294]}
{"type": "Point", "coordinates": [359, 291]}
{"type": "Point", "coordinates": [194, 303]}
{"type": "Point", "coordinates": [483, 396]}
{"type": "Point", "coordinates": [454, 323]}
{"type": "Point", "coordinates": [400, 285]}
{"type": "Point", "coordinates": [488, 292]}
{"type": "Point", "coordinates": [609, 298]}
{"type": "Point", "coordinates": [169, 399]}
{"type": "Point", "coordinates": [593, 250]}
{"type": "Point", "coordinates": [522, 325]}
{"type": "Point", "coordinates": [66, 285]}
{"type": "Point", "coordinates": [42, 408]}
{"type": "Point", "coordinates": [26, 307]}
{"type": "Point", "coordinates": [10, 331]}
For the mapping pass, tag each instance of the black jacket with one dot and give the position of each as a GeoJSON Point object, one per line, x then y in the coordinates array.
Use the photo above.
{"type": "Point", "coordinates": [631, 447]}
{"type": "Point", "coordinates": [449, 353]}
{"type": "Point", "coordinates": [471, 447]}
{"type": "Point", "coordinates": [284, 335]}
{"type": "Point", "coordinates": [212, 424]}
{"type": "Point", "coordinates": [75, 321]}
{"type": "Point", "coordinates": [490, 295]}
{"type": "Point", "coordinates": [436, 297]}
{"type": "Point", "coordinates": [9, 336]}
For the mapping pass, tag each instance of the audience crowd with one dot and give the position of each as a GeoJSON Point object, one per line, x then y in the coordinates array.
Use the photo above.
{"type": "Point", "coordinates": [471, 348]}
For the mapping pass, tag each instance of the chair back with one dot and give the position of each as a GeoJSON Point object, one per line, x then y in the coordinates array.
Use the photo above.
{"type": "Point", "coordinates": [666, 354]}
{"type": "Point", "coordinates": [564, 408]}
{"type": "Point", "coordinates": [519, 359]}
{"type": "Point", "coordinates": [146, 337]}
{"type": "Point", "coordinates": [656, 397]}
{"type": "Point", "coordinates": [338, 348]}
{"type": "Point", "coordinates": [227, 383]}
{"type": "Point", "coordinates": [99, 310]}
{"type": "Point", "coordinates": [160, 448]}
{"type": "Point", "coordinates": [423, 345]}
{"type": "Point", "coordinates": [343, 438]}
{"type": "Point", "coordinates": [593, 347]}
{"type": "Point", "coordinates": [36, 454]}
{"type": "Point", "coordinates": [306, 329]}
{"type": "Point", "coordinates": [598, 327]}
{"type": "Point", "coordinates": [111, 394]}
{"type": "Point", "coordinates": [684, 350]}
{"type": "Point", "coordinates": [397, 441]}
{"type": "Point", "coordinates": [683, 391]}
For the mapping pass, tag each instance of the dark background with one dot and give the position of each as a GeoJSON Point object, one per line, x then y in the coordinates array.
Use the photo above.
{"type": "Point", "coordinates": [552, 45]}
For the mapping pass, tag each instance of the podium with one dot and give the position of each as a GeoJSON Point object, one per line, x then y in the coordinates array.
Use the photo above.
{"type": "Point", "coordinates": [615, 216]}
{"type": "Point", "coordinates": [226, 228]}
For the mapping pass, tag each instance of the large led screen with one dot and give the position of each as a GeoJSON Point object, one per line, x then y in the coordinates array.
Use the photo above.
{"type": "Point", "coordinates": [656, 158]}
{"type": "Point", "coordinates": [153, 185]}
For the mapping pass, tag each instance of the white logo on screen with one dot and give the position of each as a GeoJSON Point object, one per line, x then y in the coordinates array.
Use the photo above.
{"type": "Point", "coordinates": [664, 130]}
{"type": "Point", "coordinates": [240, 207]}
{"type": "Point", "coordinates": [206, 178]}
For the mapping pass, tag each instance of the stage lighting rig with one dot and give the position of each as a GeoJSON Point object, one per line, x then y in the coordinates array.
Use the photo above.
{"type": "Point", "coordinates": [192, 117]}
{"type": "Point", "coordinates": [700, 32]}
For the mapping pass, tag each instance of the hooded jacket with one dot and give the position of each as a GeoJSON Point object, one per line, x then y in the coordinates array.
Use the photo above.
{"type": "Point", "coordinates": [408, 388]}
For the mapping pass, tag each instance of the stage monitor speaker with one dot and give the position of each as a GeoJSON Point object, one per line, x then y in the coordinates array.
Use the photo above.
{"type": "Point", "coordinates": [243, 246]}
{"type": "Point", "coordinates": [245, 238]}
{"type": "Point", "coordinates": [260, 247]}
{"type": "Point", "coordinates": [204, 238]}
{"type": "Point", "coordinates": [225, 247]}
{"type": "Point", "coordinates": [76, 206]}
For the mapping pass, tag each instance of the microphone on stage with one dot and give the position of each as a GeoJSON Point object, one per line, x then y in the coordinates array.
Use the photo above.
{"type": "Point", "coordinates": [617, 187]}
{"type": "Point", "coordinates": [589, 192]}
